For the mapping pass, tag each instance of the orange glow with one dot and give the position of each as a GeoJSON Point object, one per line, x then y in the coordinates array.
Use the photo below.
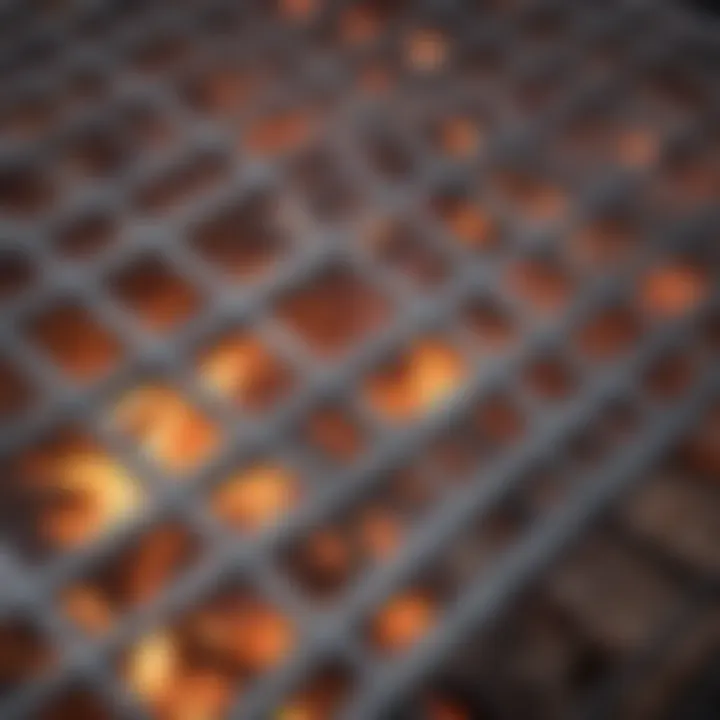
{"type": "Point", "coordinates": [472, 226]}
{"type": "Point", "coordinates": [241, 368]}
{"type": "Point", "coordinates": [88, 609]}
{"type": "Point", "coordinates": [426, 50]}
{"type": "Point", "coordinates": [439, 709]}
{"type": "Point", "coordinates": [99, 493]}
{"type": "Point", "coordinates": [459, 137]}
{"type": "Point", "coordinates": [403, 621]}
{"type": "Point", "coordinates": [166, 427]}
{"type": "Point", "coordinates": [152, 666]}
{"type": "Point", "coordinates": [673, 290]}
{"type": "Point", "coordinates": [256, 497]}
{"type": "Point", "coordinates": [420, 380]}
{"type": "Point", "coordinates": [248, 633]}
{"type": "Point", "coordinates": [381, 533]}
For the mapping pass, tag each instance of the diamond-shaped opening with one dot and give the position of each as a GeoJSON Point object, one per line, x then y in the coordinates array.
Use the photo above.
{"type": "Point", "coordinates": [551, 378]}
{"type": "Point", "coordinates": [63, 493]}
{"type": "Point", "coordinates": [606, 240]}
{"type": "Point", "coordinates": [542, 283]}
{"type": "Point", "coordinates": [75, 703]}
{"type": "Point", "coordinates": [336, 553]}
{"type": "Point", "coordinates": [87, 85]}
{"type": "Point", "coordinates": [322, 180]}
{"type": "Point", "coordinates": [491, 326]}
{"type": "Point", "coordinates": [376, 78]}
{"type": "Point", "coordinates": [685, 180]}
{"type": "Point", "coordinates": [483, 62]}
{"type": "Point", "coordinates": [389, 156]}
{"type": "Point", "coordinates": [543, 26]}
{"type": "Point", "coordinates": [245, 239]}
{"type": "Point", "coordinates": [183, 183]}
{"type": "Point", "coordinates": [16, 274]}
{"type": "Point", "coordinates": [27, 118]}
{"type": "Point", "coordinates": [196, 666]}
{"type": "Point", "coordinates": [96, 152]}
{"type": "Point", "coordinates": [673, 289]}
{"type": "Point", "coordinates": [535, 198]}
{"type": "Point", "coordinates": [137, 574]}
{"type": "Point", "coordinates": [612, 332]}
{"type": "Point", "coordinates": [499, 420]}
{"type": "Point", "coordinates": [256, 496]}
{"type": "Point", "coordinates": [24, 655]}
{"type": "Point", "coordinates": [159, 298]}
{"type": "Point", "coordinates": [160, 53]}
{"type": "Point", "coordinates": [403, 620]}
{"type": "Point", "coordinates": [242, 369]}
{"type": "Point", "coordinates": [364, 21]}
{"type": "Point", "coordinates": [86, 236]}
{"type": "Point", "coordinates": [324, 562]}
{"type": "Point", "coordinates": [469, 223]}
{"type": "Point", "coordinates": [24, 190]}
{"type": "Point", "coordinates": [73, 340]}
{"type": "Point", "coordinates": [166, 427]}
{"type": "Point", "coordinates": [537, 92]}
{"type": "Point", "coordinates": [459, 136]}
{"type": "Point", "coordinates": [670, 376]}
{"type": "Point", "coordinates": [417, 380]}
{"type": "Point", "coordinates": [447, 704]}
{"type": "Point", "coordinates": [426, 49]}
{"type": "Point", "coordinates": [146, 128]}
{"type": "Point", "coordinates": [403, 248]}
{"type": "Point", "coordinates": [298, 10]}
{"type": "Point", "coordinates": [222, 89]}
{"type": "Point", "coordinates": [334, 311]}
{"type": "Point", "coordinates": [321, 696]}
{"type": "Point", "coordinates": [700, 450]}
{"type": "Point", "coordinates": [279, 132]}
{"type": "Point", "coordinates": [16, 394]}
{"type": "Point", "coordinates": [335, 434]}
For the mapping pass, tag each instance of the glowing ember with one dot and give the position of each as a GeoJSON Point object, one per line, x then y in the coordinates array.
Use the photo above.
{"type": "Point", "coordinates": [426, 50]}
{"type": "Point", "coordinates": [459, 137]}
{"type": "Point", "coordinates": [152, 666]}
{"type": "Point", "coordinates": [403, 621]}
{"type": "Point", "coordinates": [256, 497]}
{"type": "Point", "coordinates": [88, 609]}
{"type": "Point", "coordinates": [167, 427]}
{"type": "Point", "coordinates": [241, 368]}
{"type": "Point", "coordinates": [420, 380]}
{"type": "Point", "coordinates": [673, 290]}
{"type": "Point", "coordinates": [99, 492]}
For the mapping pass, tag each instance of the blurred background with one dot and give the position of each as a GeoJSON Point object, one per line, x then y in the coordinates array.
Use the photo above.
{"type": "Point", "coordinates": [359, 359]}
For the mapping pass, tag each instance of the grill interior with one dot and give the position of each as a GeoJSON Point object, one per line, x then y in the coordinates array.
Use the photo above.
{"type": "Point", "coordinates": [358, 359]}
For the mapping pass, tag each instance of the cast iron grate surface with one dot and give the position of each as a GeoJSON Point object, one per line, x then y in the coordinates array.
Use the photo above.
{"type": "Point", "coordinates": [327, 327]}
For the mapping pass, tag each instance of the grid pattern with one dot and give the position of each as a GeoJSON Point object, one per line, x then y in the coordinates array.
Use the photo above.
{"type": "Point", "coordinates": [450, 238]}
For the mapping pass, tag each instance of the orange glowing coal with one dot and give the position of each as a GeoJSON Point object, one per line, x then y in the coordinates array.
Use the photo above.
{"type": "Point", "coordinates": [79, 490]}
{"type": "Point", "coordinates": [256, 497]}
{"type": "Point", "coordinates": [194, 670]}
{"type": "Point", "coordinates": [673, 290]}
{"type": "Point", "coordinates": [166, 427]}
{"type": "Point", "coordinates": [425, 376]}
{"type": "Point", "coordinates": [403, 621]}
{"type": "Point", "coordinates": [242, 369]}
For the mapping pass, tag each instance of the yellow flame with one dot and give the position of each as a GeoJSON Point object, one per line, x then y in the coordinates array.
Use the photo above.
{"type": "Point", "coordinates": [430, 372]}
{"type": "Point", "coordinates": [152, 666]}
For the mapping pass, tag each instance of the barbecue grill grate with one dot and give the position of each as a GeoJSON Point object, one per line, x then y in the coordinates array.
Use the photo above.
{"type": "Point", "coordinates": [329, 326]}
